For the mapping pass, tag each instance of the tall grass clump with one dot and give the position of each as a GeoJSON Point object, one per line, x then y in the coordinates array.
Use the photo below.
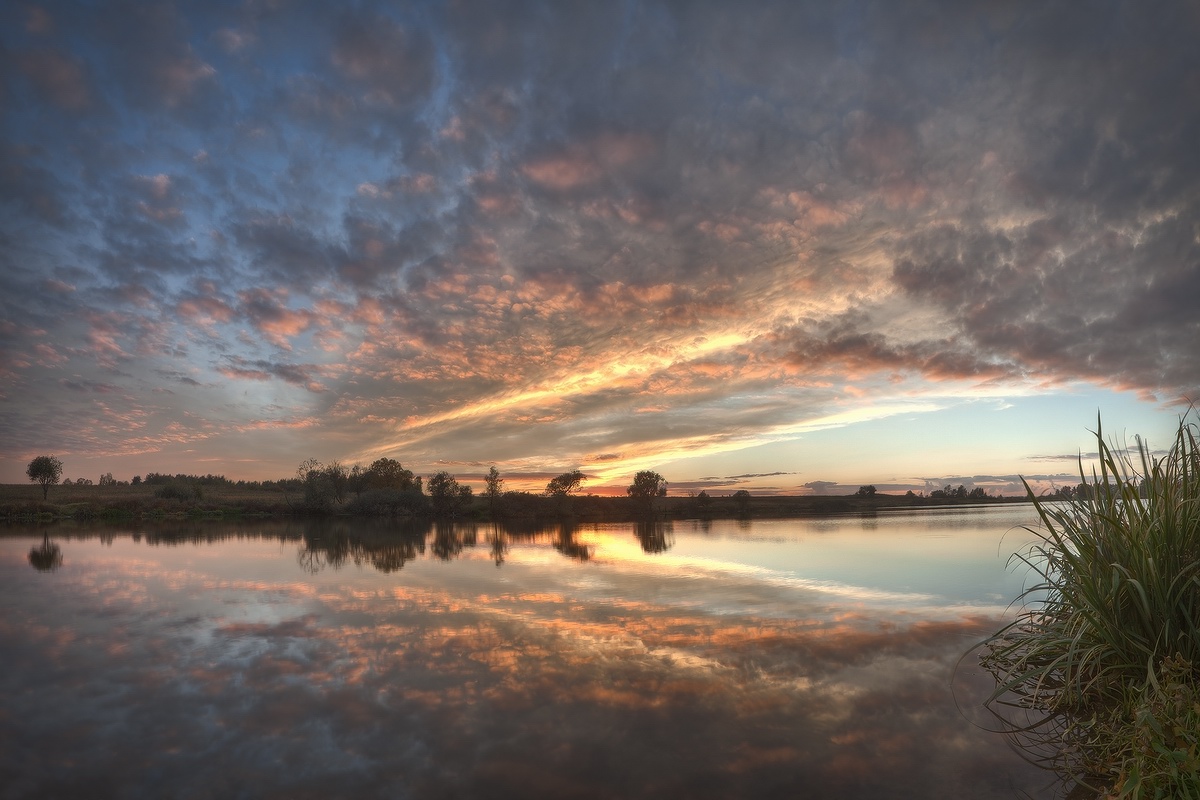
{"type": "Point", "coordinates": [1103, 662]}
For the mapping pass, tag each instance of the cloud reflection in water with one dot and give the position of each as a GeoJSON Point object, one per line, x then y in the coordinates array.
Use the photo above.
{"type": "Point", "coordinates": [165, 670]}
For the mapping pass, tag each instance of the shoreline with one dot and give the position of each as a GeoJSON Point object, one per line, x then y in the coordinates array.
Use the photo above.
{"type": "Point", "coordinates": [21, 504]}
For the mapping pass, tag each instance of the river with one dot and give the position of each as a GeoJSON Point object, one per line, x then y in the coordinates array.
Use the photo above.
{"type": "Point", "coordinates": [768, 658]}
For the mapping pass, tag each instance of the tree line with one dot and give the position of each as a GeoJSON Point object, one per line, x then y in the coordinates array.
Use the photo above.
{"type": "Point", "coordinates": [383, 488]}
{"type": "Point", "coordinates": [387, 488]}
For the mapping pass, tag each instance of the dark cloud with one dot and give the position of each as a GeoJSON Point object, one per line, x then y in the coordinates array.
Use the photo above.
{"type": "Point", "coordinates": [261, 370]}
{"type": "Point", "coordinates": [393, 65]}
{"type": "Point", "coordinates": [59, 77]}
{"type": "Point", "coordinates": [155, 63]}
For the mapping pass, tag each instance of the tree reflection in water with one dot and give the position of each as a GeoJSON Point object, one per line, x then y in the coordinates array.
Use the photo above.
{"type": "Point", "coordinates": [498, 539]}
{"type": "Point", "coordinates": [565, 543]}
{"type": "Point", "coordinates": [46, 557]}
{"type": "Point", "coordinates": [450, 538]}
{"type": "Point", "coordinates": [331, 544]}
{"type": "Point", "coordinates": [388, 546]}
{"type": "Point", "coordinates": [655, 535]}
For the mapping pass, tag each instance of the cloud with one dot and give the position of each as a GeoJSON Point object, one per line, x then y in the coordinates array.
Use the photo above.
{"type": "Point", "coordinates": [156, 66]}
{"type": "Point", "coordinates": [261, 370]}
{"type": "Point", "coordinates": [393, 64]}
{"type": "Point", "coordinates": [543, 235]}
{"type": "Point", "coordinates": [60, 78]}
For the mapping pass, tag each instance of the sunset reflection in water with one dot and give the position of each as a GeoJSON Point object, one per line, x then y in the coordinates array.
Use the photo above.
{"type": "Point", "coordinates": [680, 660]}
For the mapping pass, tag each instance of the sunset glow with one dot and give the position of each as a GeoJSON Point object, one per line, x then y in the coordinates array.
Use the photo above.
{"type": "Point", "coordinates": [787, 247]}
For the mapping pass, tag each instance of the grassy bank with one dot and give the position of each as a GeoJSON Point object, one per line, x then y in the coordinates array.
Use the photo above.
{"type": "Point", "coordinates": [1103, 665]}
{"type": "Point", "coordinates": [23, 502]}
{"type": "Point", "coordinates": [124, 501]}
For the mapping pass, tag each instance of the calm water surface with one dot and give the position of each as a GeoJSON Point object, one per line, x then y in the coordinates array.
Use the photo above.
{"type": "Point", "coordinates": [793, 658]}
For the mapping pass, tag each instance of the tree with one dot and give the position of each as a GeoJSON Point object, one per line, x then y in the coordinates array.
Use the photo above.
{"type": "Point", "coordinates": [565, 484]}
{"type": "Point", "coordinates": [323, 484]}
{"type": "Point", "coordinates": [647, 486]}
{"type": "Point", "coordinates": [356, 481]}
{"type": "Point", "coordinates": [45, 470]}
{"type": "Point", "coordinates": [495, 489]}
{"type": "Point", "coordinates": [446, 495]}
{"type": "Point", "coordinates": [388, 473]}
{"type": "Point", "coordinates": [866, 491]}
{"type": "Point", "coordinates": [107, 479]}
{"type": "Point", "coordinates": [338, 478]}
{"type": "Point", "coordinates": [742, 498]}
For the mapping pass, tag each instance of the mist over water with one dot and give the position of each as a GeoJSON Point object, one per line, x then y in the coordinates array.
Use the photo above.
{"type": "Point", "coordinates": [794, 658]}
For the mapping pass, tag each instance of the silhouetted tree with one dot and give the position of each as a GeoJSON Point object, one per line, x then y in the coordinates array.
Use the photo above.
{"type": "Point", "coordinates": [646, 487]}
{"type": "Point", "coordinates": [565, 484]}
{"type": "Point", "coordinates": [323, 484]}
{"type": "Point", "coordinates": [356, 480]}
{"type": "Point", "coordinates": [387, 473]}
{"type": "Point", "coordinates": [46, 471]}
{"type": "Point", "coordinates": [494, 490]}
{"type": "Point", "coordinates": [866, 491]}
{"type": "Point", "coordinates": [446, 495]}
{"type": "Point", "coordinates": [338, 478]}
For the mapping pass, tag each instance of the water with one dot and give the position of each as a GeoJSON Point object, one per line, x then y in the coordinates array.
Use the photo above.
{"type": "Point", "coordinates": [791, 658]}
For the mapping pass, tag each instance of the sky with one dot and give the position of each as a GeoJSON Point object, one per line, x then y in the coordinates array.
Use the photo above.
{"type": "Point", "coordinates": [789, 247]}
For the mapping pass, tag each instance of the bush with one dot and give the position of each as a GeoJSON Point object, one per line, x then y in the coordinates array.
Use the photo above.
{"type": "Point", "coordinates": [1107, 649]}
{"type": "Point", "coordinates": [389, 503]}
{"type": "Point", "coordinates": [178, 491]}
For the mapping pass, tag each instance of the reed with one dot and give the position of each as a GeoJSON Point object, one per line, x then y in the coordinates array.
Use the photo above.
{"type": "Point", "coordinates": [1103, 661]}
